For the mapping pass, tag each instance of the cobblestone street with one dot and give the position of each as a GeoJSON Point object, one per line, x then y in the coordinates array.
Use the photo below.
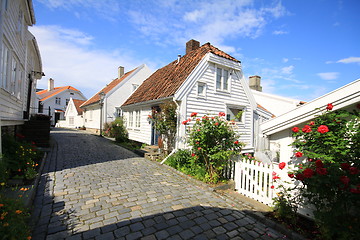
{"type": "Point", "coordinates": [93, 189]}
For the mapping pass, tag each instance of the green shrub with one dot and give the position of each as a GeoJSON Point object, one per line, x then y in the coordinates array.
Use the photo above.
{"type": "Point", "coordinates": [117, 130]}
{"type": "Point", "coordinates": [13, 219]}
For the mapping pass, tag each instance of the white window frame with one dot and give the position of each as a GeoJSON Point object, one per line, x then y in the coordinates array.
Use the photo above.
{"type": "Point", "coordinates": [222, 79]}
{"type": "Point", "coordinates": [203, 86]}
{"type": "Point", "coordinates": [231, 112]}
{"type": "Point", "coordinates": [137, 118]}
{"type": "Point", "coordinates": [5, 63]}
{"type": "Point", "coordinates": [71, 121]}
{"type": "Point", "coordinates": [57, 100]}
{"type": "Point", "coordinates": [131, 115]}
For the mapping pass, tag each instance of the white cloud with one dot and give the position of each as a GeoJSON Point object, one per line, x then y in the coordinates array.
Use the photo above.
{"type": "Point", "coordinates": [350, 60]}
{"type": "Point", "coordinates": [328, 75]}
{"type": "Point", "coordinates": [285, 60]}
{"type": "Point", "coordinates": [67, 58]}
{"type": "Point", "coordinates": [287, 70]}
{"type": "Point", "coordinates": [279, 32]}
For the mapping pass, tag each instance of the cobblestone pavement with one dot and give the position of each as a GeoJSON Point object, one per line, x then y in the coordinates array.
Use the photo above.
{"type": "Point", "coordinates": [93, 189]}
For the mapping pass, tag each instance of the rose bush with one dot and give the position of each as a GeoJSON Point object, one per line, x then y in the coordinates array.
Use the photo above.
{"type": "Point", "coordinates": [329, 174]}
{"type": "Point", "coordinates": [213, 141]}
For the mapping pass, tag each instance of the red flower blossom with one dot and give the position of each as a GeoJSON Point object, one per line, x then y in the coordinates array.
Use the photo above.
{"type": "Point", "coordinates": [355, 190]}
{"type": "Point", "coordinates": [199, 148]}
{"type": "Point", "coordinates": [193, 154]}
{"type": "Point", "coordinates": [295, 129]}
{"type": "Point", "coordinates": [185, 122]}
{"type": "Point", "coordinates": [275, 177]}
{"type": "Point", "coordinates": [323, 129]}
{"type": "Point", "coordinates": [345, 166]}
{"type": "Point", "coordinates": [291, 175]}
{"type": "Point", "coordinates": [329, 106]}
{"type": "Point", "coordinates": [194, 114]}
{"type": "Point", "coordinates": [321, 171]}
{"type": "Point", "coordinates": [308, 173]}
{"type": "Point", "coordinates": [319, 164]}
{"type": "Point", "coordinates": [353, 170]}
{"type": "Point", "coordinates": [282, 165]}
{"type": "Point", "coordinates": [306, 129]}
{"type": "Point", "coordinates": [300, 176]}
{"type": "Point", "coordinates": [298, 154]}
{"type": "Point", "coordinates": [197, 143]}
{"type": "Point", "coordinates": [221, 114]}
{"type": "Point", "coordinates": [236, 142]}
{"type": "Point", "coordinates": [345, 180]}
{"type": "Point", "coordinates": [312, 123]}
{"type": "Point", "coordinates": [272, 187]}
{"type": "Point", "coordinates": [216, 124]}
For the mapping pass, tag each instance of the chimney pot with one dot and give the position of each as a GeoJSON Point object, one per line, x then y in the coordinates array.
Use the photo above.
{"type": "Point", "coordinates": [120, 71]}
{"type": "Point", "coordinates": [50, 84]}
{"type": "Point", "coordinates": [192, 45]}
{"type": "Point", "coordinates": [255, 83]}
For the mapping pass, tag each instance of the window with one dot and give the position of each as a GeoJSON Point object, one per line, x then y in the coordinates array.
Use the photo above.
{"type": "Point", "coordinates": [201, 89]}
{"type": "Point", "coordinates": [222, 79]}
{"type": "Point", "coordinates": [118, 112]}
{"type": "Point", "coordinates": [130, 119]}
{"type": "Point", "coordinates": [134, 87]}
{"type": "Point", "coordinates": [13, 76]}
{"type": "Point", "coordinates": [137, 119]}
{"type": "Point", "coordinates": [235, 113]}
{"type": "Point", "coordinates": [71, 121]}
{"type": "Point", "coordinates": [5, 59]}
{"type": "Point", "coordinates": [67, 101]}
{"type": "Point", "coordinates": [40, 107]}
{"type": "Point", "coordinates": [58, 100]}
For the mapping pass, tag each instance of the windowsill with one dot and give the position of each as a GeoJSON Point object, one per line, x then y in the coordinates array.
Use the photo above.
{"type": "Point", "coordinates": [223, 91]}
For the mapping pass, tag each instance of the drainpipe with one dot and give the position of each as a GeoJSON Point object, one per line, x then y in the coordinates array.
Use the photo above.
{"type": "Point", "coordinates": [177, 132]}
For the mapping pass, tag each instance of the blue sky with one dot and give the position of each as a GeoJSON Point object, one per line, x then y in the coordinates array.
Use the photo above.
{"type": "Point", "coordinates": [301, 49]}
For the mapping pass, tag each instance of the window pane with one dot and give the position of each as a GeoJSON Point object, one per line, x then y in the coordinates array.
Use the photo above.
{"type": "Point", "coordinates": [225, 77]}
{"type": "Point", "coordinates": [201, 89]}
{"type": "Point", "coordinates": [218, 78]}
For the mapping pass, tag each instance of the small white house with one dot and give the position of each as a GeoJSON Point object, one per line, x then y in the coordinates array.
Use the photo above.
{"type": "Point", "coordinates": [205, 80]}
{"type": "Point", "coordinates": [73, 115]}
{"type": "Point", "coordinates": [20, 64]}
{"type": "Point", "coordinates": [54, 100]}
{"type": "Point", "coordinates": [115, 94]}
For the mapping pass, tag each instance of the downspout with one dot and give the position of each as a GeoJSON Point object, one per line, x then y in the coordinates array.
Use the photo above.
{"type": "Point", "coordinates": [177, 132]}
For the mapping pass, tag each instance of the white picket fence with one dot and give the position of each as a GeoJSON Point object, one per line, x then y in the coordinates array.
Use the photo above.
{"type": "Point", "coordinates": [254, 180]}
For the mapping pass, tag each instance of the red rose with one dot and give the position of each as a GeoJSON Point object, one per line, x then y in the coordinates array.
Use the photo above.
{"type": "Point", "coordinates": [298, 154]}
{"type": "Point", "coordinates": [295, 129]}
{"type": "Point", "coordinates": [282, 165]}
{"type": "Point", "coordinates": [353, 170]}
{"type": "Point", "coordinates": [306, 129]}
{"type": "Point", "coordinates": [345, 180]}
{"type": "Point", "coordinates": [312, 123]}
{"type": "Point", "coordinates": [308, 173]}
{"type": "Point", "coordinates": [185, 122]}
{"type": "Point", "coordinates": [272, 187]}
{"type": "Point", "coordinates": [300, 176]}
{"type": "Point", "coordinates": [291, 175]}
{"type": "Point", "coordinates": [329, 106]}
{"type": "Point", "coordinates": [236, 142]}
{"type": "Point", "coordinates": [221, 114]}
{"type": "Point", "coordinates": [321, 171]}
{"type": "Point", "coordinates": [345, 166]}
{"type": "Point", "coordinates": [193, 154]}
{"type": "Point", "coordinates": [275, 177]}
{"type": "Point", "coordinates": [323, 129]}
{"type": "Point", "coordinates": [216, 123]}
{"type": "Point", "coordinates": [199, 148]}
{"type": "Point", "coordinates": [319, 164]}
{"type": "Point", "coordinates": [194, 114]}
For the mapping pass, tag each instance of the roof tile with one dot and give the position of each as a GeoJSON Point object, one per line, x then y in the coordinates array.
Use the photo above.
{"type": "Point", "coordinates": [45, 94]}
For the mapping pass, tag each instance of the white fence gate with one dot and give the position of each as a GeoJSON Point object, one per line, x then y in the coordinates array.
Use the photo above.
{"type": "Point", "coordinates": [254, 180]}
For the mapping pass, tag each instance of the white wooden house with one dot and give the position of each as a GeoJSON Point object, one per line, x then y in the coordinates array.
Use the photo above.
{"type": "Point", "coordinates": [116, 92]}
{"type": "Point", "coordinates": [205, 80]}
{"type": "Point", "coordinates": [73, 115]}
{"type": "Point", "coordinates": [20, 63]}
{"type": "Point", "coordinates": [54, 100]}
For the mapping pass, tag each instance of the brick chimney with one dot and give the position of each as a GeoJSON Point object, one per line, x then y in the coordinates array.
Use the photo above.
{"type": "Point", "coordinates": [255, 83]}
{"type": "Point", "coordinates": [50, 84]}
{"type": "Point", "coordinates": [120, 71]}
{"type": "Point", "coordinates": [192, 45]}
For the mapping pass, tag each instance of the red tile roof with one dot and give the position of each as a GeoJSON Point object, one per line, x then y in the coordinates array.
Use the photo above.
{"type": "Point", "coordinates": [261, 107]}
{"type": "Point", "coordinates": [167, 80]}
{"type": "Point", "coordinates": [78, 104]}
{"type": "Point", "coordinates": [106, 89]}
{"type": "Point", "coordinates": [45, 94]}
